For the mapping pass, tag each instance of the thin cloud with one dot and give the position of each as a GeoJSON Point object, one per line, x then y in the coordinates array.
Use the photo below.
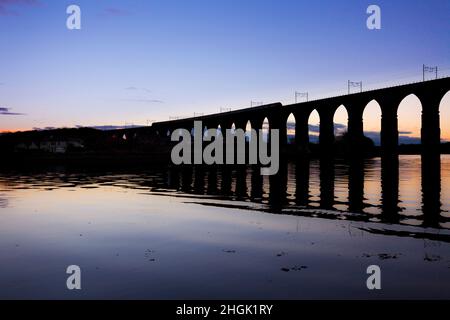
{"type": "Point", "coordinates": [138, 89]}
{"type": "Point", "coordinates": [144, 100]}
{"type": "Point", "coordinates": [44, 129]}
{"type": "Point", "coordinates": [404, 136]}
{"type": "Point", "coordinates": [5, 112]}
{"type": "Point", "coordinates": [316, 128]}
{"type": "Point", "coordinates": [109, 127]}
{"type": "Point", "coordinates": [115, 12]}
{"type": "Point", "coordinates": [141, 95]}
{"type": "Point", "coordinates": [6, 5]}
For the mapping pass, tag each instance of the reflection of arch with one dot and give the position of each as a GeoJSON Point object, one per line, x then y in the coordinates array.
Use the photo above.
{"type": "Point", "coordinates": [340, 121]}
{"type": "Point", "coordinates": [290, 129]}
{"type": "Point", "coordinates": [372, 112]}
{"type": "Point", "coordinates": [444, 108]}
{"type": "Point", "coordinates": [409, 113]}
{"type": "Point", "coordinates": [314, 126]}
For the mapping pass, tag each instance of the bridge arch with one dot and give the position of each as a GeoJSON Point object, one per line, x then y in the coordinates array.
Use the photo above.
{"type": "Point", "coordinates": [410, 123]}
{"type": "Point", "coordinates": [314, 127]}
{"type": "Point", "coordinates": [248, 131]}
{"type": "Point", "coordinates": [444, 108]}
{"type": "Point", "coordinates": [205, 131]}
{"type": "Point", "coordinates": [256, 122]}
{"type": "Point", "coordinates": [265, 129]}
{"type": "Point", "coordinates": [372, 121]}
{"type": "Point", "coordinates": [291, 129]}
{"type": "Point", "coordinates": [233, 128]}
{"type": "Point", "coordinates": [340, 121]}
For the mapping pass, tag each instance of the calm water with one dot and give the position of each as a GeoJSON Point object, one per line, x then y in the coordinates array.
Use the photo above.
{"type": "Point", "coordinates": [310, 232]}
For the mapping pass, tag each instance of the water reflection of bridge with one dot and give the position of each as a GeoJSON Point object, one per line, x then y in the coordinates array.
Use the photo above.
{"type": "Point", "coordinates": [321, 184]}
{"type": "Point", "coordinates": [359, 189]}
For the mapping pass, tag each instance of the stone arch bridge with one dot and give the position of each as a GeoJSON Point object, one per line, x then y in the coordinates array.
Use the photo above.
{"type": "Point", "coordinates": [430, 93]}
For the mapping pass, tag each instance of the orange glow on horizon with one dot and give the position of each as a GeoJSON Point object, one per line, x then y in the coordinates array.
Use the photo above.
{"type": "Point", "coordinates": [15, 130]}
{"type": "Point", "coordinates": [11, 130]}
{"type": "Point", "coordinates": [445, 136]}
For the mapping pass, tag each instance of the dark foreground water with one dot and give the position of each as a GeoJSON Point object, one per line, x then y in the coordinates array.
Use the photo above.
{"type": "Point", "coordinates": [309, 233]}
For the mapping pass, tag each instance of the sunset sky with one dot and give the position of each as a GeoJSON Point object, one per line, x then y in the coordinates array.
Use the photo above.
{"type": "Point", "coordinates": [136, 61]}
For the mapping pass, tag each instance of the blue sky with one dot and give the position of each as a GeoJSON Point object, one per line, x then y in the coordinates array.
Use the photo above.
{"type": "Point", "coordinates": [138, 60]}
